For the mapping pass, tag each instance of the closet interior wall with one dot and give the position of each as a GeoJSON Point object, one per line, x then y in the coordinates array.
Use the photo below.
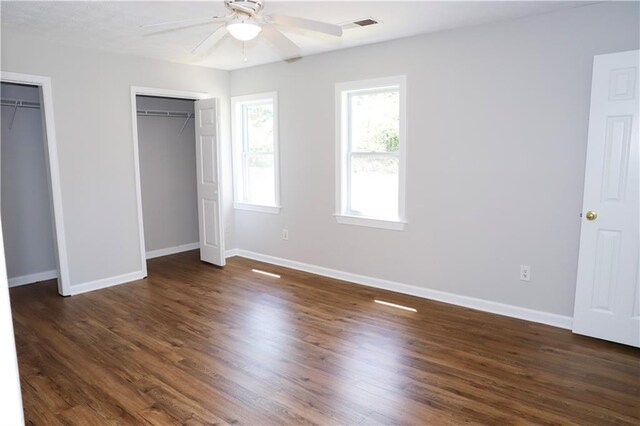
{"type": "Point", "coordinates": [167, 175]}
{"type": "Point", "coordinates": [25, 206]}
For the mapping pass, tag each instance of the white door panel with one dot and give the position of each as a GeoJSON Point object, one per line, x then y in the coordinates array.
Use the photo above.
{"type": "Point", "coordinates": [607, 291]}
{"type": "Point", "coordinates": [208, 170]}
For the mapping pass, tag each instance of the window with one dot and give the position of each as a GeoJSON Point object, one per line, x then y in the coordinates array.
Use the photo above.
{"type": "Point", "coordinates": [255, 152]}
{"type": "Point", "coordinates": [371, 152]}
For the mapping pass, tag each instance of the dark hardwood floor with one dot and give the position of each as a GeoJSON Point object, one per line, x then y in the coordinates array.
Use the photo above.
{"type": "Point", "coordinates": [195, 344]}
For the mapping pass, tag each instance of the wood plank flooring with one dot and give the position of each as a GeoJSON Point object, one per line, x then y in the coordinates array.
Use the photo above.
{"type": "Point", "coordinates": [195, 344]}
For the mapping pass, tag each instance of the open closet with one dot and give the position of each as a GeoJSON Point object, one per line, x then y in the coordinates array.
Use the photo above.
{"type": "Point", "coordinates": [167, 153]}
{"type": "Point", "coordinates": [25, 190]}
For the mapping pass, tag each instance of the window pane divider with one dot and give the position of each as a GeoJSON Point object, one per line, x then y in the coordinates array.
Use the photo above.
{"type": "Point", "coordinates": [375, 154]}
{"type": "Point", "coordinates": [257, 154]}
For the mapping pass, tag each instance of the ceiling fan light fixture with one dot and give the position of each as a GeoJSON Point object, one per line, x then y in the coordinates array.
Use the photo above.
{"type": "Point", "coordinates": [244, 29]}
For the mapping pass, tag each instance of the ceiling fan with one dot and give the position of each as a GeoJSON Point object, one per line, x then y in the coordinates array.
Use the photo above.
{"type": "Point", "coordinates": [246, 21]}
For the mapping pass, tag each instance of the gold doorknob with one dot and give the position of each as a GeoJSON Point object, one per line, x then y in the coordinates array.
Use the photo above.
{"type": "Point", "coordinates": [591, 215]}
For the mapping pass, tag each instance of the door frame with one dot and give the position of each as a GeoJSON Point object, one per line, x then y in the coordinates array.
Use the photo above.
{"type": "Point", "coordinates": [165, 93]}
{"type": "Point", "coordinates": [51, 146]}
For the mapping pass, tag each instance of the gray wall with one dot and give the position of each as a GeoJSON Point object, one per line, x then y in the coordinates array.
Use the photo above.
{"type": "Point", "coordinates": [92, 108]}
{"type": "Point", "coordinates": [167, 174]}
{"type": "Point", "coordinates": [497, 131]}
{"type": "Point", "coordinates": [26, 208]}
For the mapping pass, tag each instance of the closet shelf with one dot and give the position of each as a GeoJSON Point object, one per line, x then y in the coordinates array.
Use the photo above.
{"type": "Point", "coordinates": [18, 103]}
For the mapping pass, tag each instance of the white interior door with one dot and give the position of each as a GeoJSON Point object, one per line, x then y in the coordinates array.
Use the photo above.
{"type": "Point", "coordinates": [208, 169]}
{"type": "Point", "coordinates": [607, 302]}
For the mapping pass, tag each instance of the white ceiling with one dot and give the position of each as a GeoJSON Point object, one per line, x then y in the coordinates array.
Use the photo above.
{"type": "Point", "coordinates": [115, 26]}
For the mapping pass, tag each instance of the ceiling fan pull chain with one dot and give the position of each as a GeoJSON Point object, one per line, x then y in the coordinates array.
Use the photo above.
{"type": "Point", "coordinates": [244, 55]}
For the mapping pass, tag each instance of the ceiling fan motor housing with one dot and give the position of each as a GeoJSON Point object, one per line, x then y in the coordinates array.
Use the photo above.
{"type": "Point", "coordinates": [249, 7]}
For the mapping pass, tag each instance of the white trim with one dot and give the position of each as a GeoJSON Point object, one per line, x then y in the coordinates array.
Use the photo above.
{"type": "Point", "coordinates": [231, 253]}
{"type": "Point", "coordinates": [237, 149]}
{"type": "Point", "coordinates": [396, 225]}
{"type": "Point", "coordinates": [64, 282]}
{"type": "Point", "coordinates": [172, 250]}
{"type": "Point", "coordinates": [33, 278]}
{"type": "Point", "coordinates": [256, 208]}
{"type": "Point", "coordinates": [341, 186]}
{"type": "Point", "coordinates": [136, 162]}
{"type": "Point", "coordinates": [170, 93]}
{"type": "Point", "coordinates": [150, 91]}
{"type": "Point", "coordinates": [555, 320]}
{"type": "Point", "coordinates": [106, 282]}
{"type": "Point", "coordinates": [12, 413]}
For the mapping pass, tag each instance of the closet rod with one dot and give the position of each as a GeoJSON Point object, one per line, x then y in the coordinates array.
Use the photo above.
{"type": "Point", "coordinates": [18, 103]}
{"type": "Point", "coordinates": [176, 114]}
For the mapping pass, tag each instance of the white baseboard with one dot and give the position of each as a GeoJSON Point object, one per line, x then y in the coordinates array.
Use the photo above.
{"type": "Point", "coordinates": [133, 276]}
{"type": "Point", "coordinates": [555, 320]}
{"type": "Point", "coordinates": [231, 253]}
{"type": "Point", "coordinates": [33, 278]}
{"type": "Point", "coordinates": [105, 282]}
{"type": "Point", "coordinates": [172, 250]}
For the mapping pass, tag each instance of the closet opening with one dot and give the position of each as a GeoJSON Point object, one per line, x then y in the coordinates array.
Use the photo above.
{"type": "Point", "coordinates": [28, 165]}
{"type": "Point", "coordinates": [177, 169]}
{"type": "Point", "coordinates": [168, 181]}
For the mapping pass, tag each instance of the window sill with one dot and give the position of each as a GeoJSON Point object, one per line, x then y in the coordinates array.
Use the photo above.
{"type": "Point", "coordinates": [396, 225]}
{"type": "Point", "coordinates": [256, 208]}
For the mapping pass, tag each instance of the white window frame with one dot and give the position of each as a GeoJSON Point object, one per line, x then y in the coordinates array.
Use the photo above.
{"type": "Point", "coordinates": [343, 215]}
{"type": "Point", "coordinates": [238, 145]}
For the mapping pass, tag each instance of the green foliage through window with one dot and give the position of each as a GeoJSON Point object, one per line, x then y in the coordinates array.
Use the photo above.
{"type": "Point", "coordinates": [374, 121]}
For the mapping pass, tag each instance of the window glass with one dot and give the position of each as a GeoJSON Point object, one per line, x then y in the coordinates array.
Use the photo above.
{"type": "Point", "coordinates": [254, 151]}
{"type": "Point", "coordinates": [374, 121]}
{"type": "Point", "coordinates": [374, 186]}
{"type": "Point", "coordinates": [371, 152]}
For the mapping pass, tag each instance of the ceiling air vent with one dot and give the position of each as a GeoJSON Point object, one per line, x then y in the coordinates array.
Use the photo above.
{"type": "Point", "coordinates": [364, 22]}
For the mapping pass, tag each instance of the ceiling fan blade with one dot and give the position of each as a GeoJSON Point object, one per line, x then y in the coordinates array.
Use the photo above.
{"type": "Point", "coordinates": [208, 43]}
{"type": "Point", "coordinates": [282, 44]}
{"type": "Point", "coordinates": [194, 21]}
{"type": "Point", "coordinates": [172, 29]}
{"type": "Point", "coordinates": [307, 24]}
{"type": "Point", "coordinates": [246, 10]}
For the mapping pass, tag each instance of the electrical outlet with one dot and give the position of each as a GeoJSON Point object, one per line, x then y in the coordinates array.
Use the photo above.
{"type": "Point", "coordinates": [285, 234]}
{"type": "Point", "coordinates": [525, 273]}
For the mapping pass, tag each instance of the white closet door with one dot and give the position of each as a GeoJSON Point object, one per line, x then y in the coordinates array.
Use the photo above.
{"type": "Point", "coordinates": [607, 294]}
{"type": "Point", "coordinates": [208, 169]}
